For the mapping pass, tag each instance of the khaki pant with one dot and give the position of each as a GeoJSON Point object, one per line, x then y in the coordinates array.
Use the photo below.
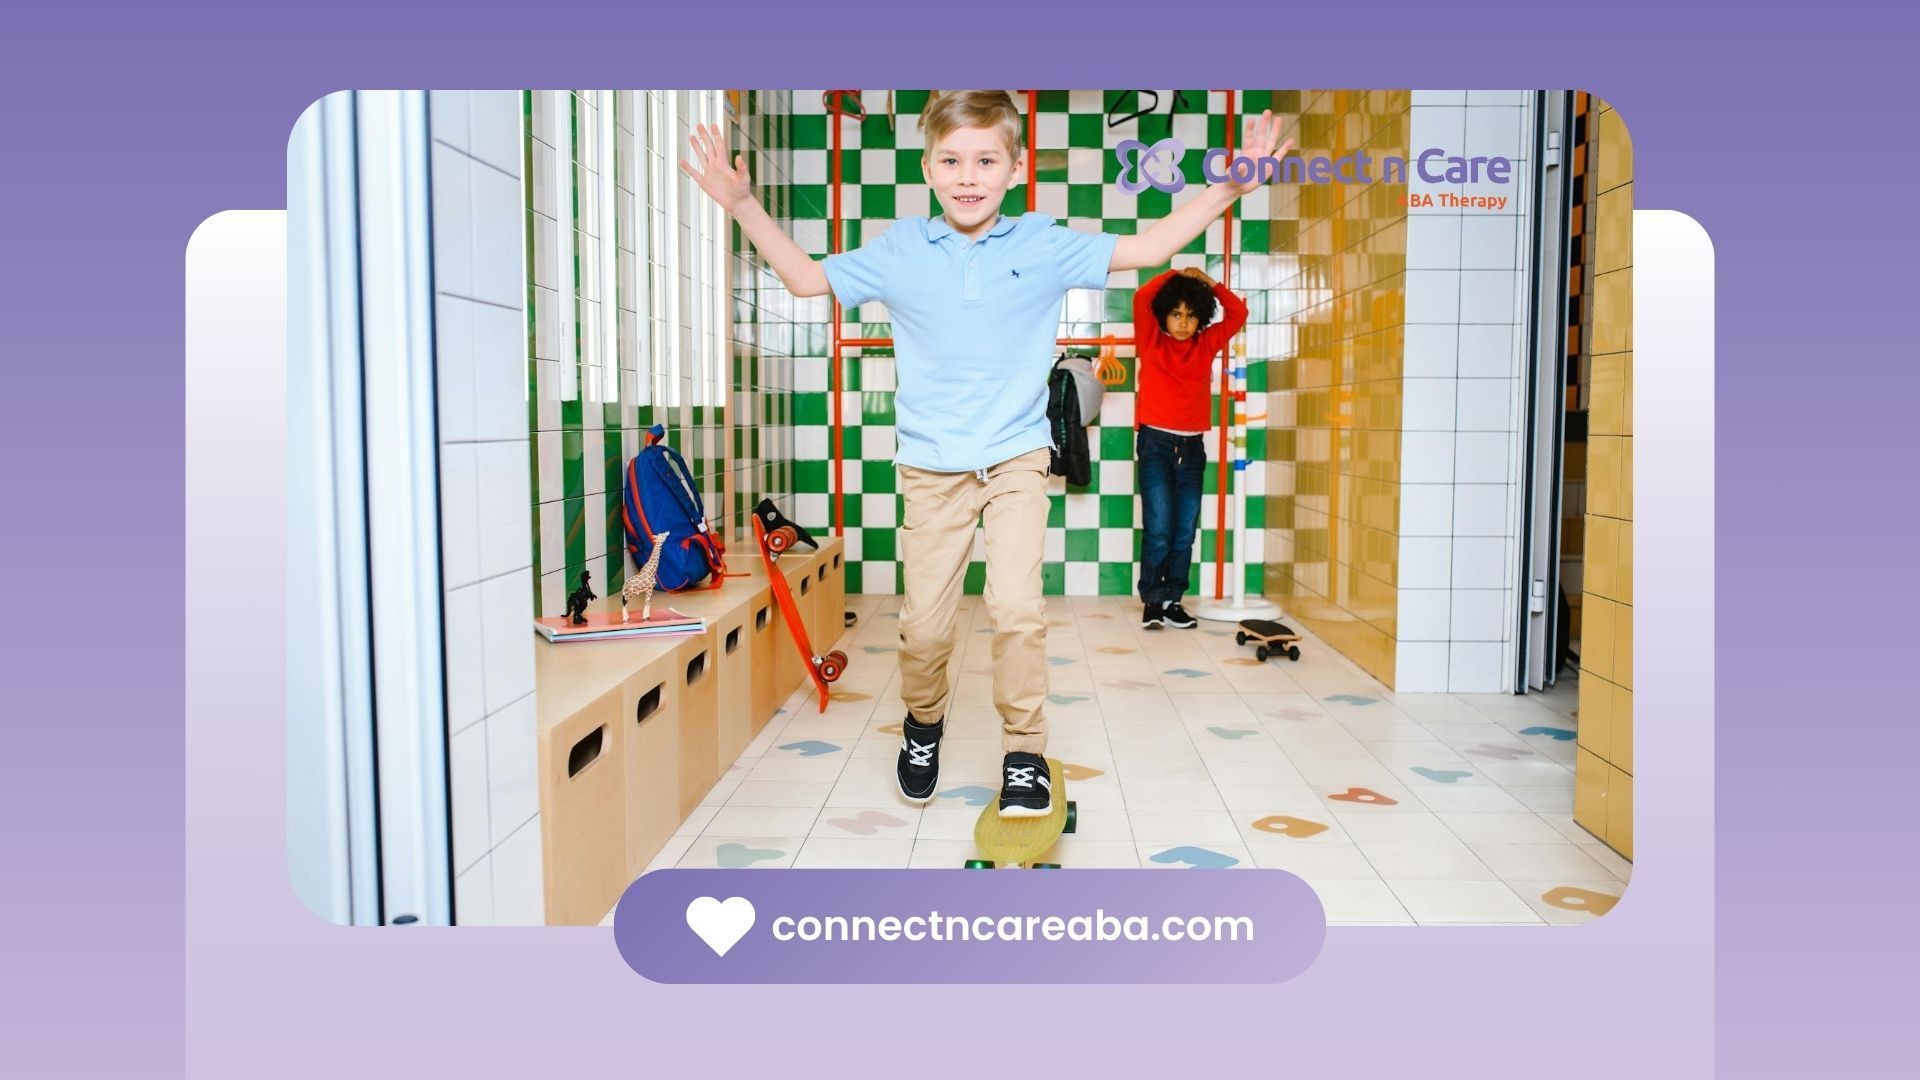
{"type": "Point", "coordinates": [936, 537]}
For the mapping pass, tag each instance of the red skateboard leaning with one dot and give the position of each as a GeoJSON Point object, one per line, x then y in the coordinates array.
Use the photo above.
{"type": "Point", "coordinates": [773, 542]}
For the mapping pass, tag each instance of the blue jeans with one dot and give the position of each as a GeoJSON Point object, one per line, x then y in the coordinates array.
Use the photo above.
{"type": "Point", "coordinates": [1170, 472]}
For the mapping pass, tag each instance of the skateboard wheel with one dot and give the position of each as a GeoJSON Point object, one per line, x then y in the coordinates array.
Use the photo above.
{"type": "Point", "coordinates": [1073, 816]}
{"type": "Point", "coordinates": [979, 864]}
{"type": "Point", "coordinates": [781, 539]}
{"type": "Point", "coordinates": [1293, 652]}
{"type": "Point", "coordinates": [1240, 637]}
{"type": "Point", "coordinates": [1046, 866]}
{"type": "Point", "coordinates": [1261, 653]}
{"type": "Point", "coordinates": [829, 670]}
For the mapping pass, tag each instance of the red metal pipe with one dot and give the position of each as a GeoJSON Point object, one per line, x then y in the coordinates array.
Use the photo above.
{"type": "Point", "coordinates": [887, 342]}
{"type": "Point", "coordinates": [833, 359]}
{"type": "Point", "coordinates": [1225, 469]}
{"type": "Point", "coordinates": [1033, 154]}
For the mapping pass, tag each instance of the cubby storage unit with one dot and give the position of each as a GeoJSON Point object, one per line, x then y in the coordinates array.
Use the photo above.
{"type": "Point", "coordinates": [633, 733]}
{"type": "Point", "coordinates": [582, 819]}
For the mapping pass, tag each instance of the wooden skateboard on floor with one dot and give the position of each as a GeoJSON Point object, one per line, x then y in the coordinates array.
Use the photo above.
{"type": "Point", "coordinates": [821, 669]}
{"type": "Point", "coordinates": [1018, 841]}
{"type": "Point", "coordinates": [1275, 639]}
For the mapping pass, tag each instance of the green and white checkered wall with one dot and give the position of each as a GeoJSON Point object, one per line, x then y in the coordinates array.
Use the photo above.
{"type": "Point", "coordinates": [589, 405]}
{"type": "Point", "coordinates": [1092, 541]}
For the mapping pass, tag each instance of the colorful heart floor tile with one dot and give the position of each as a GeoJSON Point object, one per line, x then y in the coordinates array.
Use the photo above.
{"type": "Point", "coordinates": [1440, 776]}
{"type": "Point", "coordinates": [867, 822]}
{"type": "Point", "coordinates": [1284, 825]}
{"type": "Point", "coordinates": [1352, 699]}
{"type": "Point", "coordinates": [1079, 772]}
{"type": "Point", "coordinates": [1365, 795]}
{"type": "Point", "coordinates": [1231, 734]}
{"type": "Point", "coordinates": [971, 794]}
{"type": "Point", "coordinates": [733, 856]}
{"type": "Point", "coordinates": [1576, 899]}
{"type": "Point", "coordinates": [1555, 733]}
{"type": "Point", "coordinates": [1198, 858]}
{"type": "Point", "coordinates": [1187, 673]}
{"type": "Point", "coordinates": [810, 747]}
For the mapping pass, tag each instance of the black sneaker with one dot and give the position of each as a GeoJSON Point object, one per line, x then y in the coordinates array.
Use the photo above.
{"type": "Point", "coordinates": [1026, 789]}
{"type": "Point", "coordinates": [919, 767]}
{"type": "Point", "coordinates": [1177, 616]}
{"type": "Point", "coordinates": [1152, 616]}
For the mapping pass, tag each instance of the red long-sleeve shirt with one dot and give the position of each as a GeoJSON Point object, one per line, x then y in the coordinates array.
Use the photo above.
{"type": "Point", "coordinates": [1176, 376]}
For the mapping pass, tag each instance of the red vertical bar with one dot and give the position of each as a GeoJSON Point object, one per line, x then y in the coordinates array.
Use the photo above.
{"type": "Point", "coordinates": [1224, 474]}
{"type": "Point", "coordinates": [1033, 154]}
{"type": "Point", "coordinates": [833, 354]}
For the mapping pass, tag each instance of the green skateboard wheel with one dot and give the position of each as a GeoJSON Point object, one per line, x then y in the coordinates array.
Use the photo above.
{"type": "Point", "coordinates": [979, 864]}
{"type": "Point", "coordinates": [1073, 816]}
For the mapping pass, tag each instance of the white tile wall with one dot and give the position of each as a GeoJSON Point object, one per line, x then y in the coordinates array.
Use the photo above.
{"type": "Point", "coordinates": [485, 505]}
{"type": "Point", "coordinates": [1466, 272]}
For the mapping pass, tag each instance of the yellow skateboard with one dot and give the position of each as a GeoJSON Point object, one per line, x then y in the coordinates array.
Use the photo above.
{"type": "Point", "coordinates": [1017, 841]}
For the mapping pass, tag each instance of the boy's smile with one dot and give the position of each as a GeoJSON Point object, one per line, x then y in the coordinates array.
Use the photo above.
{"type": "Point", "coordinates": [971, 170]}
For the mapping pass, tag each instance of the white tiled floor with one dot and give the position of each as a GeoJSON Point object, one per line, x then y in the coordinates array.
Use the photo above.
{"type": "Point", "coordinates": [1184, 742]}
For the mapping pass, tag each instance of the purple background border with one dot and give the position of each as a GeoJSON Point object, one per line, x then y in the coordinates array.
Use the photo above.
{"type": "Point", "coordinates": [133, 123]}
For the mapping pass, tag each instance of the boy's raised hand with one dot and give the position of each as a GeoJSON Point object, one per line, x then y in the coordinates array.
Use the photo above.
{"type": "Point", "coordinates": [1199, 275]}
{"type": "Point", "coordinates": [1263, 140]}
{"type": "Point", "coordinates": [728, 186]}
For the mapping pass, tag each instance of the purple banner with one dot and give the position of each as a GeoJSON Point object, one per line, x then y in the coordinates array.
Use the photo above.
{"type": "Point", "coordinates": [968, 926]}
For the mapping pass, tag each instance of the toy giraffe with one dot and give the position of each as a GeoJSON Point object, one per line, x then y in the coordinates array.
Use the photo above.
{"type": "Point", "coordinates": [641, 584]}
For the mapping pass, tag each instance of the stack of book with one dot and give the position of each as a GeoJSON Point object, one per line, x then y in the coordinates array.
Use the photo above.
{"type": "Point", "coordinates": [606, 625]}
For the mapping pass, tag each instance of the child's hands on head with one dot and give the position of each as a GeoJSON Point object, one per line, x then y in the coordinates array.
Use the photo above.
{"type": "Point", "coordinates": [730, 187]}
{"type": "Point", "coordinates": [1199, 275]}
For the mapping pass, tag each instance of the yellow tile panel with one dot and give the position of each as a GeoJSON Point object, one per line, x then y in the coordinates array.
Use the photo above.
{"type": "Point", "coordinates": [1596, 636]}
{"type": "Point", "coordinates": [1623, 575]}
{"type": "Point", "coordinates": [1601, 565]}
{"type": "Point", "coordinates": [1621, 729]}
{"type": "Point", "coordinates": [1613, 311]}
{"type": "Point", "coordinates": [1614, 164]}
{"type": "Point", "coordinates": [1626, 408]}
{"type": "Point", "coordinates": [1623, 646]}
{"type": "Point", "coordinates": [1596, 716]}
{"type": "Point", "coordinates": [1603, 475]}
{"type": "Point", "coordinates": [1623, 494]}
{"type": "Point", "coordinates": [1590, 777]}
{"type": "Point", "coordinates": [1619, 811]}
{"type": "Point", "coordinates": [1607, 412]}
{"type": "Point", "coordinates": [1613, 230]}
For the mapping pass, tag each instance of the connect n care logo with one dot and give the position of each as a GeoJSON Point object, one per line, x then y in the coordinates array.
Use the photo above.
{"type": "Point", "coordinates": [1156, 166]}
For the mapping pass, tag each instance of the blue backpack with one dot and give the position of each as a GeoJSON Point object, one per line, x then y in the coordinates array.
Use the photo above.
{"type": "Point", "coordinates": [660, 497]}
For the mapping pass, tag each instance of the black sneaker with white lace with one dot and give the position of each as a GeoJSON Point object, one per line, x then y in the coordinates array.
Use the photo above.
{"type": "Point", "coordinates": [1026, 787]}
{"type": "Point", "coordinates": [1177, 617]}
{"type": "Point", "coordinates": [919, 767]}
{"type": "Point", "coordinates": [1151, 616]}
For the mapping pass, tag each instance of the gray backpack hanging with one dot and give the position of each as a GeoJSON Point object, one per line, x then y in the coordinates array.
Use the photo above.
{"type": "Point", "coordinates": [1073, 400]}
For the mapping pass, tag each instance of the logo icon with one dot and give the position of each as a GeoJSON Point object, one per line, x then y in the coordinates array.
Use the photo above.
{"type": "Point", "coordinates": [721, 924]}
{"type": "Point", "coordinates": [1156, 166]}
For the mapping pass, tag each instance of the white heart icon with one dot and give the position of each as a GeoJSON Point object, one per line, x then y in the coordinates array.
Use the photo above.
{"type": "Point", "coordinates": [721, 924]}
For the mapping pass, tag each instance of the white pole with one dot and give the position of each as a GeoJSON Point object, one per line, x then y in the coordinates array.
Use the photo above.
{"type": "Point", "coordinates": [1230, 473]}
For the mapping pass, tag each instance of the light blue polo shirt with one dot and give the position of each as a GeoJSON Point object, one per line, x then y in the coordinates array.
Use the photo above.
{"type": "Point", "coordinates": [974, 326]}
